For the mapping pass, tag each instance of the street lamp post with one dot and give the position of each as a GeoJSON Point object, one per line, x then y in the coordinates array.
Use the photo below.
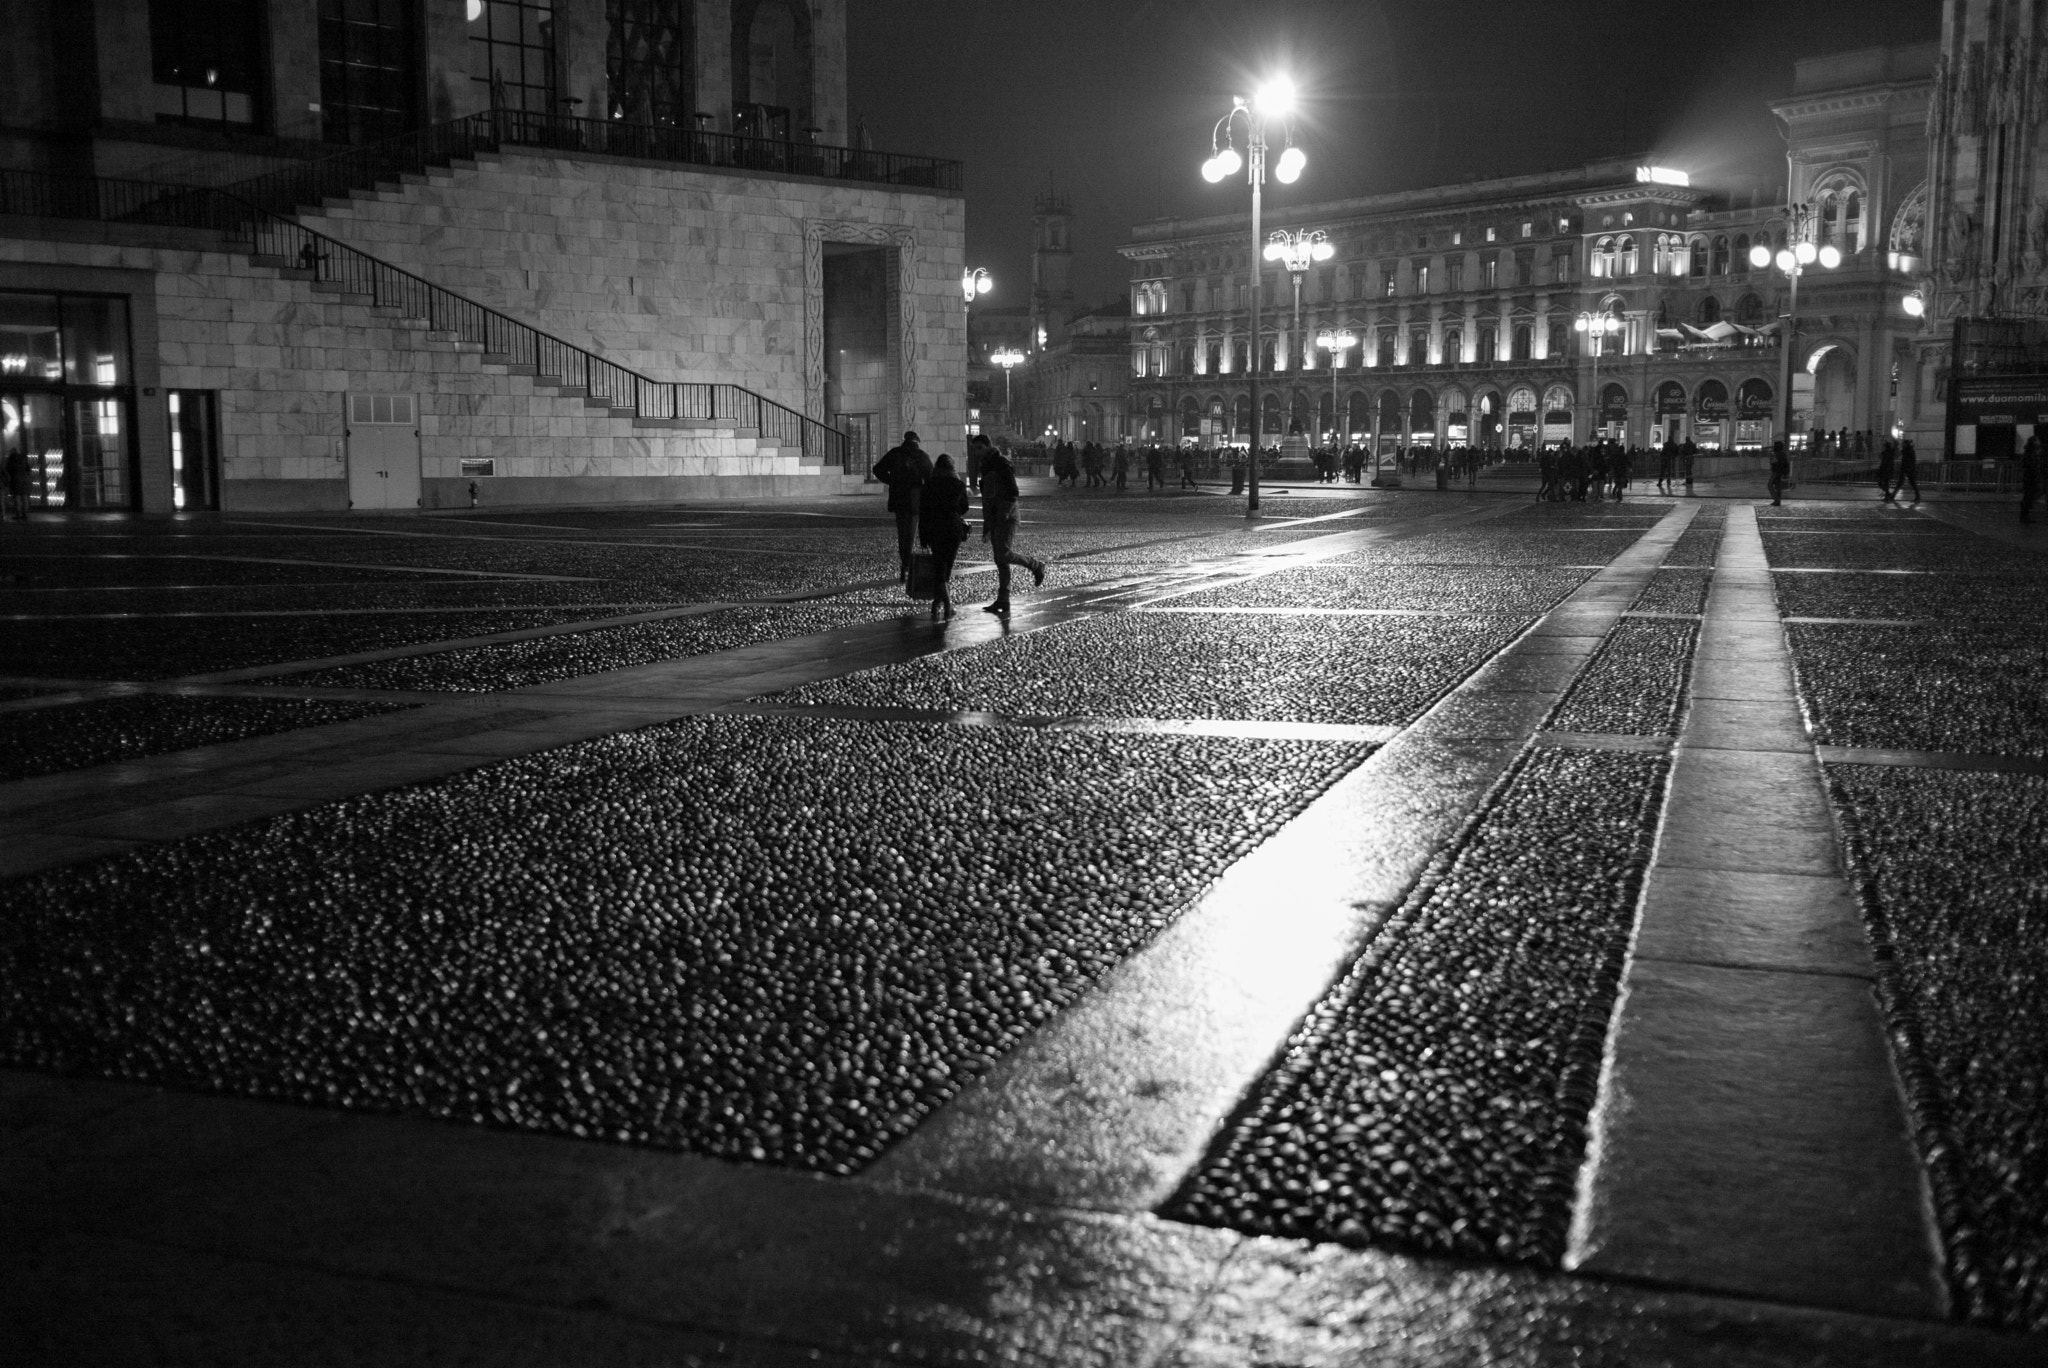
{"type": "Point", "coordinates": [1336, 344]}
{"type": "Point", "coordinates": [1274, 99]}
{"type": "Point", "coordinates": [1802, 223]}
{"type": "Point", "coordinates": [1297, 251]}
{"type": "Point", "coordinates": [974, 283]}
{"type": "Point", "coordinates": [1597, 328]}
{"type": "Point", "coordinates": [1008, 358]}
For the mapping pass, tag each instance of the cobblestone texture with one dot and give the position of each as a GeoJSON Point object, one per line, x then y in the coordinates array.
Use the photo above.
{"type": "Point", "coordinates": [1947, 686]}
{"type": "Point", "coordinates": [158, 648]}
{"type": "Point", "coordinates": [1437, 1099]}
{"type": "Point", "coordinates": [755, 938]}
{"type": "Point", "coordinates": [1955, 553]}
{"type": "Point", "coordinates": [539, 660]}
{"type": "Point", "coordinates": [78, 735]}
{"type": "Point", "coordinates": [1491, 545]}
{"type": "Point", "coordinates": [1949, 866]}
{"type": "Point", "coordinates": [1675, 591]}
{"type": "Point", "coordinates": [1357, 670]}
{"type": "Point", "coordinates": [1635, 685]}
{"type": "Point", "coordinates": [1945, 597]}
{"type": "Point", "coordinates": [1700, 543]}
{"type": "Point", "coordinates": [1432, 588]}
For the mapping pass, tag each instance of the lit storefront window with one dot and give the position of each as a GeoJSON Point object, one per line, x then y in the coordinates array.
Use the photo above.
{"type": "Point", "coordinates": [66, 397]}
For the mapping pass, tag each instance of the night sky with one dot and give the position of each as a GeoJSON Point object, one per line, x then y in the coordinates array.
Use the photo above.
{"type": "Point", "coordinates": [1114, 99]}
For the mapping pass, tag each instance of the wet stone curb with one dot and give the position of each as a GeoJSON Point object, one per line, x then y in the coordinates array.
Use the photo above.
{"type": "Point", "coordinates": [1437, 1099]}
{"type": "Point", "coordinates": [106, 731]}
{"type": "Point", "coordinates": [517, 664]}
{"type": "Point", "coordinates": [1635, 685]}
{"type": "Point", "coordinates": [1947, 866]}
{"type": "Point", "coordinates": [676, 936]}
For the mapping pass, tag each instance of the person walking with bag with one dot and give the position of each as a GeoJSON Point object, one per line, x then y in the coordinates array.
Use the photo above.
{"type": "Point", "coordinates": [999, 527]}
{"type": "Point", "coordinates": [1909, 469]}
{"type": "Point", "coordinates": [942, 526]}
{"type": "Point", "coordinates": [904, 469]}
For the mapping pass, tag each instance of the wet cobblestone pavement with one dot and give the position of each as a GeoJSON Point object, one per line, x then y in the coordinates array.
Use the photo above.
{"type": "Point", "coordinates": [539, 660]}
{"type": "Point", "coordinates": [1345, 670]}
{"type": "Point", "coordinates": [1950, 869]}
{"type": "Point", "coordinates": [1437, 1099]}
{"type": "Point", "coordinates": [1389, 960]}
{"type": "Point", "coordinates": [668, 936]}
{"type": "Point", "coordinates": [75, 735]}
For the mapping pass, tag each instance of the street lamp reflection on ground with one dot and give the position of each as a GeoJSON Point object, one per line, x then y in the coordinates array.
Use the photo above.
{"type": "Point", "coordinates": [1336, 344]}
{"type": "Point", "coordinates": [1273, 100]}
{"type": "Point", "coordinates": [1801, 250]}
{"type": "Point", "coordinates": [1596, 328]}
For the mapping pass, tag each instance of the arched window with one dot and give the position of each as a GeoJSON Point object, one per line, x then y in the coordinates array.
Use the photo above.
{"type": "Point", "coordinates": [1489, 346]}
{"type": "Point", "coordinates": [1422, 416]}
{"type": "Point", "coordinates": [1741, 261]}
{"type": "Point", "coordinates": [1522, 341]}
{"type": "Point", "coordinates": [1558, 340]}
{"type": "Point", "coordinates": [1270, 429]}
{"type": "Point", "coordinates": [1626, 251]}
{"type": "Point", "coordinates": [1720, 266]}
{"type": "Point", "coordinates": [1454, 346]}
{"type": "Point", "coordinates": [1386, 351]}
{"type": "Point", "coordinates": [1603, 257]}
{"type": "Point", "coordinates": [1709, 311]}
{"type": "Point", "coordinates": [771, 68]}
{"type": "Point", "coordinates": [1418, 347]}
{"type": "Point", "coordinates": [1852, 222]}
{"type": "Point", "coordinates": [1749, 310]}
{"type": "Point", "coordinates": [1697, 250]}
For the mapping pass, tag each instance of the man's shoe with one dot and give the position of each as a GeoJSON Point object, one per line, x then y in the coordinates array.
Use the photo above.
{"type": "Point", "coordinates": [1037, 573]}
{"type": "Point", "coordinates": [998, 607]}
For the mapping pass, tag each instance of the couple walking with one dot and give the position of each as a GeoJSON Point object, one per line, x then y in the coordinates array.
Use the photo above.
{"type": "Point", "coordinates": [930, 503]}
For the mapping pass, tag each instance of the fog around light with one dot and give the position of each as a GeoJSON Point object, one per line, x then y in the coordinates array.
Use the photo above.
{"type": "Point", "coordinates": [1275, 97]}
{"type": "Point", "coordinates": [1324, 250]}
{"type": "Point", "coordinates": [1212, 170]}
{"type": "Point", "coordinates": [1274, 251]}
{"type": "Point", "coordinates": [1291, 162]}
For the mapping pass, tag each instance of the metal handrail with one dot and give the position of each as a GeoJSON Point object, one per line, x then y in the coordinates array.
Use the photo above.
{"type": "Point", "coordinates": [504, 339]}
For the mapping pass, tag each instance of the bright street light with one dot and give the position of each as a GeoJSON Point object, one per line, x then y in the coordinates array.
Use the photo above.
{"type": "Point", "coordinates": [1275, 99]}
{"type": "Point", "coordinates": [1336, 342]}
{"type": "Point", "coordinates": [975, 282]}
{"type": "Point", "coordinates": [1008, 358]}
{"type": "Point", "coordinates": [1914, 304]}
{"type": "Point", "coordinates": [1288, 169]}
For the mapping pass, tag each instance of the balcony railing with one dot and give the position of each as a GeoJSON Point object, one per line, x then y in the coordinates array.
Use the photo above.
{"type": "Point", "coordinates": [502, 338]}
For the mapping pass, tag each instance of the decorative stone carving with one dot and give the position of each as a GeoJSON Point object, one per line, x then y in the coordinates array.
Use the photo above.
{"type": "Point", "coordinates": [1909, 225]}
{"type": "Point", "coordinates": [818, 232]}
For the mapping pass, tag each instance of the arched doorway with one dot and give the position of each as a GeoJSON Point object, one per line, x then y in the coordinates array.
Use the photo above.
{"type": "Point", "coordinates": [1270, 430]}
{"type": "Point", "coordinates": [1298, 419]}
{"type": "Point", "coordinates": [1710, 415]}
{"type": "Point", "coordinates": [1326, 421]}
{"type": "Point", "coordinates": [1388, 422]}
{"type": "Point", "coordinates": [1241, 419]}
{"type": "Point", "coordinates": [1755, 407]}
{"type": "Point", "coordinates": [1830, 381]}
{"type": "Point", "coordinates": [1612, 420]}
{"type": "Point", "coordinates": [1486, 420]}
{"type": "Point", "coordinates": [1457, 417]}
{"type": "Point", "coordinates": [1358, 416]}
{"type": "Point", "coordinates": [1422, 418]}
{"type": "Point", "coordinates": [1522, 418]}
{"type": "Point", "coordinates": [1671, 411]}
{"type": "Point", "coordinates": [1190, 419]}
{"type": "Point", "coordinates": [1557, 416]}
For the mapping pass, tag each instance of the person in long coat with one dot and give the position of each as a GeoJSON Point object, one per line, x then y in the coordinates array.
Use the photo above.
{"type": "Point", "coordinates": [904, 469]}
{"type": "Point", "coordinates": [942, 526]}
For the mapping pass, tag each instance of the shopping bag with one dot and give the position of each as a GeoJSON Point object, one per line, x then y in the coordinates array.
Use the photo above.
{"type": "Point", "coordinates": [924, 575]}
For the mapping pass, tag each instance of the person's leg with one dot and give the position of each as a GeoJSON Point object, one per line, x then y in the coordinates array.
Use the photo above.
{"type": "Point", "coordinates": [906, 529]}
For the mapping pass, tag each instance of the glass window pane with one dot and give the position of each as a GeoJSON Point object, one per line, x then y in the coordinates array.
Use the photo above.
{"type": "Point", "coordinates": [28, 337]}
{"type": "Point", "coordinates": [95, 340]}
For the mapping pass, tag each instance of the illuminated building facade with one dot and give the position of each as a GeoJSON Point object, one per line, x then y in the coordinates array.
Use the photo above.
{"type": "Point", "coordinates": [331, 254]}
{"type": "Point", "coordinates": [1467, 300]}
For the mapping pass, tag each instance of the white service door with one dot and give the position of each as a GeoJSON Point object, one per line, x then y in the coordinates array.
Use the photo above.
{"type": "Point", "coordinates": [383, 451]}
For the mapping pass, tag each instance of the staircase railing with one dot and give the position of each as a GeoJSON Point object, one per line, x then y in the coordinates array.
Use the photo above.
{"type": "Point", "coordinates": [503, 339]}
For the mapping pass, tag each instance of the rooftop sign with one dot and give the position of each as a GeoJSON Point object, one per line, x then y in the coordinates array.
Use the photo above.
{"type": "Point", "coordinates": [1662, 175]}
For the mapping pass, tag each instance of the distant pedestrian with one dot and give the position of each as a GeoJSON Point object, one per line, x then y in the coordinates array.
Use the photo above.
{"type": "Point", "coordinates": [999, 527]}
{"type": "Point", "coordinates": [1887, 462]}
{"type": "Point", "coordinates": [1781, 472]}
{"type": "Point", "coordinates": [2030, 477]}
{"type": "Point", "coordinates": [1120, 465]}
{"type": "Point", "coordinates": [942, 526]}
{"type": "Point", "coordinates": [1187, 469]}
{"type": "Point", "coordinates": [1909, 469]}
{"type": "Point", "coordinates": [904, 469]}
{"type": "Point", "coordinates": [1155, 470]}
{"type": "Point", "coordinates": [16, 471]}
{"type": "Point", "coordinates": [1667, 465]}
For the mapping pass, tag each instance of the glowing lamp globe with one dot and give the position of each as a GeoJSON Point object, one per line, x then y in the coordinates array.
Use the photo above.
{"type": "Point", "coordinates": [1275, 98]}
{"type": "Point", "coordinates": [1288, 169]}
{"type": "Point", "coordinates": [1323, 250]}
{"type": "Point", "coordinates": [1275, 251]}
{"type": "Point", "coordinates": [1212, 170]}
{"type": "Point", "coordinates": [1786, 261]}
{"type": "Point", "coordinates": [1759, 256]}
{"type": "Point", "coordinates": [1913, 304]}
{"type": "Point", "coordinates": [1805, 252]}
{"type": "Point", "coordinates": [1830, 256]}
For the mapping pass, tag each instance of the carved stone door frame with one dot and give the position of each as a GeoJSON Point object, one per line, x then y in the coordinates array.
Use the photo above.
{"type": "Point", "coordinates": [818, 232]}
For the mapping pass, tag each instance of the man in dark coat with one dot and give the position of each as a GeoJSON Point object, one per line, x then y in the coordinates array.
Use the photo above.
{"type": "Point", "coordinates": [999, 526]}
{"type": "Point", "coordinates": [904, 469]}
{"type": "Point", "coordinates": [1781, 471]}
{"type": "Point", "coordinates": [1909, 469]}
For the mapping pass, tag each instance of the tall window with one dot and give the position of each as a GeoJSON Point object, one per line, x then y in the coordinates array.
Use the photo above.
{"type": "Point", "coordinates": [1490, 268]}
{"type": "Point", "coordinates": [1720, 266]}
{"type": "Point", "coordinates": [1522, 342]}
{"type": "Point", "coordinates": [1489, 347]}
{"type": "Point", "coordinates": [648, 61]}
{"type": "Point", "coordinates": [1698, 253]}
{"type": "Point", "coordinates": [1454, 346]}
{"type": "Point", "coordinates": [1388, 276]}
{"type": "Point", "coordinates": [1625, 255]}
{"type": "Point", "coordinates": [206, 57]}
{"type": "Point", "coordinates": [1454, 275]}
{"type": "Point", "coordinates": [771, 67]}
{"type": "Point", "coordinates": [1422, 277]}
{"type": "Point", "coordinates": [1557, 340]}
{"type": "Point", "coordinates": [1741, 259]}
{"type": "Point", "coordinates": [515, 53]}
{"type": "Point", "coordinates": [1561, 266]}
{"type": "Point", "coordinates": [369, 70]}
{"type": "Point", "coordinates": [1525, 268]}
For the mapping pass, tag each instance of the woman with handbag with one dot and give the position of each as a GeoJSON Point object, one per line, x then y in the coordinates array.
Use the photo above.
{"type": "Point", "coordinates": [942, 526]}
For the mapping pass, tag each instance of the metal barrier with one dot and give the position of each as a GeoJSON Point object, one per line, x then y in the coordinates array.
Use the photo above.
{"type": "Point", "coordinates": [505, 340]}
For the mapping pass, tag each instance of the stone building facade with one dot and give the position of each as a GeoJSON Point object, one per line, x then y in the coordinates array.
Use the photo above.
{"type": "Point", "coordinates": [665, 189]}
{"type": "Point", "coordinates": [1466, 300]}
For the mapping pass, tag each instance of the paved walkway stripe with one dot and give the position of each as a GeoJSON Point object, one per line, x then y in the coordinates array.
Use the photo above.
{"type": "Point", "coordinates": [1113, 1102]}
{"type": "Point", "coordinates": [1751, 1134]}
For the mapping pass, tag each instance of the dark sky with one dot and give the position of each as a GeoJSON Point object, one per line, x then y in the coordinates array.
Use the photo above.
{"type": "Point", "coordinates": [1114, 99]}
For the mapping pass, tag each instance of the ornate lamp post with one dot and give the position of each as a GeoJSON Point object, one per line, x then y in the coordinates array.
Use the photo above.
{"type": "Point", "coordinates": [1596, 328]}
{"type": "Point", "coordinates": [1009, 358]}
{"type": "Point", "coordinates": [1297, 251]}
{"type": "Point", "coordinates": [1801, 250]}
{"type": "Point", "coordinates": [1273, 100]}
{"type": "Point", "coordinates": [975, 283]}
{"type": "Point", "coordinates": [1336, 344]}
